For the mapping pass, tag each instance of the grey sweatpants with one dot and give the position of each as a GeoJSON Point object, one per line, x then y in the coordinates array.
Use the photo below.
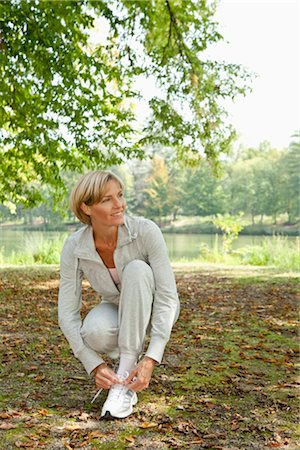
{"type": "Point", "coordinates": [113, 329]}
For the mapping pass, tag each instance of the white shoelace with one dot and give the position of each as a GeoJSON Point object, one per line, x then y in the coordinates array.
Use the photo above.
{"type": "Point", "coordinates": [116, 390]}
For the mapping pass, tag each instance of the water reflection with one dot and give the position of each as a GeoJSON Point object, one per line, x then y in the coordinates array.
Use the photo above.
{"type": "Point", "coordinates": [179, 245]}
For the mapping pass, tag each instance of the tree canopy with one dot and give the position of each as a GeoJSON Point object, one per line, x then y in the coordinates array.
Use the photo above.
{"type": "Point", "coordinates": [67, 87]}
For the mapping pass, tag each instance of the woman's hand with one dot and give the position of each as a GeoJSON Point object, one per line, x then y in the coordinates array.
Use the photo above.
{"type": "Point", "coordinates": [105, 377]}
{"type": "Point", "coordinates": [140, 376]}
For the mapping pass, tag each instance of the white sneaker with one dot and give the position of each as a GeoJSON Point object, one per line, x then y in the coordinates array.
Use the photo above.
{"type": "Point", "coordinates": [119, 403]}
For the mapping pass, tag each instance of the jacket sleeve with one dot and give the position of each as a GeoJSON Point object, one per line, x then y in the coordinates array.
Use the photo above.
{"type": "Point", "coordinates": [166, 305]}
{"type": "Point", "coordinates": [69, 306]}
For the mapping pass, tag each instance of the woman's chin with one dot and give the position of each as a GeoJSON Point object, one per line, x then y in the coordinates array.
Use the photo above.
{"type": "Point", "coordinates": [118, 220]}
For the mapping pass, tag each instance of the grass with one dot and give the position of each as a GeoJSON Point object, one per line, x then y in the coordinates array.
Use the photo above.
{"type": "Point", "coordinates": [228, 378]}
{"type": "Point", "coordinates": [278, 252]}
{"type": "Point", "coordinates": [37, 251]}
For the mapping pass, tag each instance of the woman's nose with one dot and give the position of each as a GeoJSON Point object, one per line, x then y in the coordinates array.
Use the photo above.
{"type": "Point", "coordinates": [118, 202]}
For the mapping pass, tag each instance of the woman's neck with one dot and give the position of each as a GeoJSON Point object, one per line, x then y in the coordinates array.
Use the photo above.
{"type": "Point", "coordinates": [107, 236]}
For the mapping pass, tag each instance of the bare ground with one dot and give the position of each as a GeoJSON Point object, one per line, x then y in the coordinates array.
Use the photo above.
{"type": "Point", "coordinates": [228, 380]}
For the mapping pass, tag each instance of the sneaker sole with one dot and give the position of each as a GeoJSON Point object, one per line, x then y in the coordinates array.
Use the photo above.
{"type": "Point", "coordinates": [108, 416]}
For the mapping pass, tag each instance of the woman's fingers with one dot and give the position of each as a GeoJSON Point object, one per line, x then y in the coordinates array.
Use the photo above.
{"type": "Point", "coordinates": [111, 376]}
{"type": "Point", "coordinates": [139, 384]}
{"type": "Point", "coordinates": [137, 380]}
{"type": "Point", "coordinates": [105, 377]}
{"type": "Point", "coordinates": [131, 376]}
{"type": "Point", "coordinates": [139, 377]}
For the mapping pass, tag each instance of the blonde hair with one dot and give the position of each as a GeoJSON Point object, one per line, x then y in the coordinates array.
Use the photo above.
{"type": "Point", "coordinates": [90, 189]}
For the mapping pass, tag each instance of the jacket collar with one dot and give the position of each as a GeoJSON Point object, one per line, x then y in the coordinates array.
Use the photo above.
{"type": "Point", "coordinates": [85, 247]}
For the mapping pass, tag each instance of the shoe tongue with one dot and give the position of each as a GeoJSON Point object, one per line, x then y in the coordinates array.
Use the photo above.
{"type": "Point", "coordinates": [122, 376]}
{"type": "Point", "coordinates": [116, 390]}
{"type": "Point", "coordinates": [117, 387]}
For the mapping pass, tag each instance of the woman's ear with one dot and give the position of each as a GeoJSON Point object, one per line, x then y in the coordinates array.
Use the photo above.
{"type": "Point", "coordinates": [85, 208]}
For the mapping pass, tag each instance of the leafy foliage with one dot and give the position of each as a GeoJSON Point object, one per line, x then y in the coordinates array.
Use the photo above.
{"type": "Point", "coordinates": [231, 227]}
{"type": "Point", "coordinates": [66, 96]}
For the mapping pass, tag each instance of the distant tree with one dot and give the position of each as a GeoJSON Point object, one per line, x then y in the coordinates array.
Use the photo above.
{"type": "Point", "coordinates": [157, 201]}
{"type": "Point", "coordinates": [202, 192]}
{"type": "Point", "coordinates": [252, 183]}
{"type": "Point", "coordinates": [290, 180]}
{"type": "Point", "coordinates": [268, 177]}
{"type": "Point", "coordinates": [139, 172]}
{"type": "Point", "coordinates": [175, 188]}
{"type": "Point", "coordinates": [67, 95]}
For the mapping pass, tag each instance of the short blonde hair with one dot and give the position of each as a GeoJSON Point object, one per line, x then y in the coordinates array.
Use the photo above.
{"type": "Point", "coordinates": [90, 189]}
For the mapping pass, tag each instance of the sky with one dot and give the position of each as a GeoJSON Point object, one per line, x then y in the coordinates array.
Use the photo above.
{"type": "Point", "coordinates": [264, 36]}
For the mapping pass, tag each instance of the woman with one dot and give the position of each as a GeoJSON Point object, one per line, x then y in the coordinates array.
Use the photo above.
{"type": "Point", "coordinates": [125, 260]}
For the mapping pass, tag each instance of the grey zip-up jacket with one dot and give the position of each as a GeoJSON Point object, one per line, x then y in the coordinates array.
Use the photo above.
{"type": "Point", "coordinates": [138, 238]}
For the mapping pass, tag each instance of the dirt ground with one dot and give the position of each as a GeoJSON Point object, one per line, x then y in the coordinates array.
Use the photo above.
{"type": "Point", "coordinates": [228, 379]}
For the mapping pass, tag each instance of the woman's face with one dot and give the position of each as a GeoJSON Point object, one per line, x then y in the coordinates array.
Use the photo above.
{"type": "Point", "coordinates": [110, 210]}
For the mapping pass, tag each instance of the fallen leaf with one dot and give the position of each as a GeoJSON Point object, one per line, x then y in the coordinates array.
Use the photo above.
{"type": "Point", "coordinates": [214, 436]}
{"type": "Point", "coordinates": [183, 427]}
{"type": "Point", "coordinates": [7, 426]}
{"type": "Point", "coordinates": [84, 443]}
{"type": "Point", "coordinates": [29, 425]}
{"type": "Point", "coordinates": [13, 413]}
{"type": "Point", "coordinates": [68, 447]}
{"type": "Point", "coordinates": [43, 412]}
{"type": "Point", "coordinates": [72, 427]}
{"type": "Point", "coordinates": [84, 416]}
{"type": "Point", "coordinates": [26, 444]}
{"type": "Point", "coordinates": [96, 434]}
{"type": "Point", "coordinates": [44, 433]}
{"type": "Point", "coordinates": [210, 405]}
{"type": "Point", "coordinates": [75, 413]}
{"type": "Point", "coordinates": [148, 425]}
{"type": "Point", "coordinates": [77, 378]}
{"type": "Point", "coordinates": [39, 378]}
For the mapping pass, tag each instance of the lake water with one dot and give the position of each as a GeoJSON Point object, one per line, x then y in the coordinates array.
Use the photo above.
{"type": "Point", "coordinates": [179, 245]}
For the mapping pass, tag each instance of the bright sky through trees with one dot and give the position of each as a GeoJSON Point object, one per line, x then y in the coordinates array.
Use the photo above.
{"type": "Point", "coordinates": [264, 36]}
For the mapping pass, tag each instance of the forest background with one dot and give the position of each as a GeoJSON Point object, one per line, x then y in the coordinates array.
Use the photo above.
{"type": "Point", "coordinates": [260, 183]}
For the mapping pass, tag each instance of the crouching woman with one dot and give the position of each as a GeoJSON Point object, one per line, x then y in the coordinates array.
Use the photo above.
{"type": "Point", "coordinates": [125, 260]}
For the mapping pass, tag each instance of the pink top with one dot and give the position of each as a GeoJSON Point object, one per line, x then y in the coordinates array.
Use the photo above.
{"type": "Point", "coordinates": [114, 274]}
